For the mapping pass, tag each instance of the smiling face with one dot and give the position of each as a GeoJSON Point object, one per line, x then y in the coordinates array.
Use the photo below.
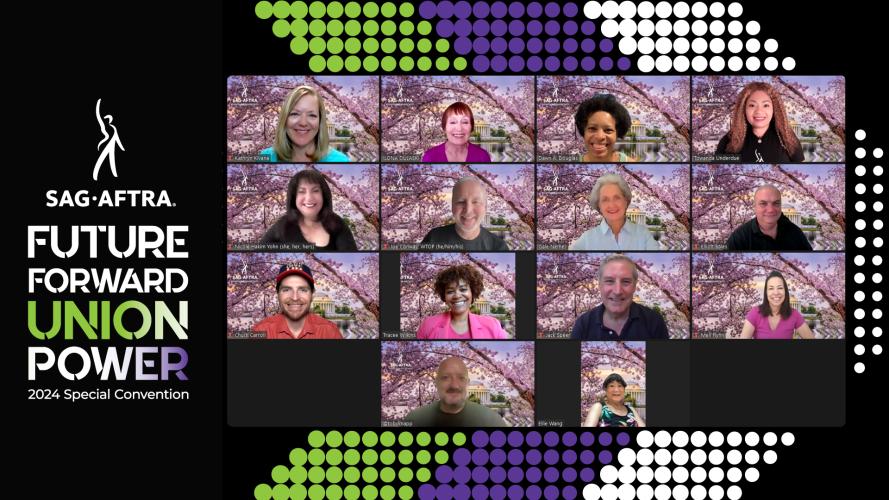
{"type": "Point", "coordinates": [758, 110]}
{"type": "Point", "coordinates": [451, 381]}
{"type": "Point", "coordinates": [600, 135]}
{"type": "Point", "coordinates": [615, 393]}
{"type": "Point", "coordinates": [468, 204]}
{"type": "Point", "coordinates": [775, 292]}
{"type": "Point", "coordinates": [613, 204]}
{"type": "Point", "coordinates": [617, 287]}
{"type": "Point", "coordinates": [458, 297]}
{"type": "Point", "coordinates": [767, 205]}
{"type": "Point", "coordinates": [457, 129]}
{"type": "Point", "coordinates": [295, 297]}
{"type": "Point", "coordinates": [303, 121]}
{"type": "Point", "coordinates": [309, 199]}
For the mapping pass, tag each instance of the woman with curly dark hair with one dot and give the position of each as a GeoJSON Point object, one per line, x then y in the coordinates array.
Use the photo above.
{"type": "Point", "coordinates": [459, 286]}
{"type": "Point", "coordinates": [601, 120]}
{"type": "Point", "coordinates": [760, 130]}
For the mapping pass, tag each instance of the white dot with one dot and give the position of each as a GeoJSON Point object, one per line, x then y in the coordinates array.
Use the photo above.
{"type": "Point", "coordinates": [645, 10]}
{"type": "Point", "coordinates": [644, 475]}
{"type": "Point", "coordinates": [716, 439]}
{"type": "Point", "coordinates": [878, 225]}
{"type": "Point", "coordinates": [735, 63]}
{"type": "Point", "coordinates": [876, 314]}
{"type": "Point", "coordinates": [859, 350]}
{"type": "Point", "coordinates": [698, 475]}
{"type": "Point", "coordinates": [735, 45]}
{"type": "Point", "coordinates": [699, 63]}
{"type": "Point", "coordinates": [735, 28]}
{"type": "Point", "coordinates": [878, 189]}
{"type": "Point", "coordinates": [627, 9]}
{"type": "Point", "coordinates": [663, 27]}
{"type": "Point", "coordinates": [788, 63]}
{"type": "Point", "coordinates": [608, 473]}
{"type": "Point", "coordinates": [698, 439]}
{"type": "Point", "coordinates": [646, 27]}
{"type": "Point", "coordinates": [698, 492]}
{"type": "Point", "coordinates": [877, 260]}
{"type": "Point", "coordinates": [859, 260]}
{"type": "Point", "coordinates": [644, 492]}
{"type": "Point", "coordinates": [715, 492]}
{"type": "Point", "coordinates": [592, 10]}
{"type": "Point", "coordinates": [860, 153]}
{"type": "Point", "coordinates": [752, 45]}
{"type": "Point", "coordinates": [770, 457]}
{"type": "Point", "coordinates": [627, 45]}
{"type": "Point", "coordinates": [787, 439]}
{"type": "Point", "coordinates": [860, 206]}
{"type": "Point", "coordinates": [860, 170]}
{"type": "Point", "coordinates": [734, 492]}
{"type": "Point", "coordinates": [751, 475]}
{"type": "Point", "coordinates": [877, 350]}
{"type": "Point", "coordinates": [878, 206]}
{"type": "Point", "coordinates": [717, 28]}
{"type": "Point", "coordinates": [878, 242]}
{"type": "Point", "coordinates": [662, 475]}
{"type": "Point", "coordinates": [733, 439]}
{"type": "Point", "coordinates": [859, 331]}
{"type": "Point", "coordinates": [626, 474]}
{"type": "Point", "coordinates": [663, 45]}
{"type": "Point", "coordinates": [752, 63]}
{"type": "Point", "coordinates": [770, 63]}
{"type": "Point", "coordinates": [716, 475]}
{"type": "Point", "coordinates": [717, 45]}
{"type": "Point", "coordinates": [860, 225]}
{"type": "Point", "coordinates": [717, 9]}
{"type": "Point", "coordinates": [735, 9]}
{"type": "Point", "coordinates": [877, 296]}
{"type": "Point", "coordinates": [699, 28]}
{"type": "Point", "coordinates": [680, 438]}
{"type": "Point", "coordinates": [860, 134]}
{"type": "Point", "coordinates": [591, 491]}
{"type": "Point", "coordinates": [609, 492]}
{"type": "Point", "coordinates": [627, 27]}
{"type": "Point", "coordinates": [878, 170]}
{"type": "Point", "coordinates": [860, 188]}
{"type": "Point", "coordinates": [626, 492]}
{"type": "Point", "coordinates": [734, 474]}
{"type": "Point", "coordinates": [662, 439]}
{"type": "Point", "coordinates": [859, 296]}
{"type": "Point", "coordinates": [680, 474]}
{"type": "Point", "coordinates": [769, 439]}
{"type": "Point", "coordinates": [681, 45]}
{"type": "Point", "coordinates": [646, 46]}
{"type": "Point", "coordinates": [715, 457]}
{"type": "Point", "coordinates": [699, 9]}
{"type": "Point", "coordinates": [698, 457]}
{"type": "Point", "coordinates": [662, 457]}
{"type": "Point", "coordinates": [859, 278]}
{"type": "Point", "coordinates": [860, 242]}
{"type": "Point", "coordinates": [699, 45]}
{"type": "Point", "coordinates": [626, 456]}
{"type": "Point", "coordinates": [859, 367]}
{"type": "Point", "coordinates": [662, 492]}
{"type": "Point", "coordinates": [680, 457]}
{"type": "Point", "coordinates": [610, 9]}
{"type": "Point", "coordinates": [753, 28]}
{"type": "Point", "coordinates": [751, 438]}
{"type": "Point", "coordinates": [680, 492]}
{"type": "Point", "coordinates": [646, 64]}
{"type": "Point", "coordinates": [717, 63]}
{"type": "Point", "coordinates": [681, 27]}
{"type": "Point", "coordinates": [610, 28]}
{"type": "Point", "coordinates": [734, 457]}
{"type": "Point", "coordinates": [644, 456]}
{"type": "Point", "coordinates": [878, 153]}
{"type": "Point", "coordinates": [681, 10]}
{"type": "Point", "coordinates": [859, 314]}
{"type": "Point", "coordinates": [663, 9]}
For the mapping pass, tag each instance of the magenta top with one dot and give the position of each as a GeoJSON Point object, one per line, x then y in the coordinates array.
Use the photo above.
{"type": "Point", "coordinates": [785, 327]}
{"type": "Point", "coordinates": [476, 154]}
{"type": "Point", "coordinates": [438, 327]}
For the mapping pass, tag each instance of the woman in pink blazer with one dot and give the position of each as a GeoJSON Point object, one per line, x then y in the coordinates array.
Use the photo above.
{"type": "Point", "coordinates": [458, 286]}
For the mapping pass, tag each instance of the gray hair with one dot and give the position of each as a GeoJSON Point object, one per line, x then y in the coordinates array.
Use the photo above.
{"type": "Point", "coordinates": [616, 257]}
{"type": "Point", "coordinates": [767, 186]}
{"type": "Point", "coordinates": [605, 180]}
{"type": "Point", "coordinates": [469, 178]}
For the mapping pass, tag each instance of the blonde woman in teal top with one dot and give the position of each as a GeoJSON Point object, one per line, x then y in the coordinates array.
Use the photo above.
{"type": "Point", "coordinates": [301, 134]}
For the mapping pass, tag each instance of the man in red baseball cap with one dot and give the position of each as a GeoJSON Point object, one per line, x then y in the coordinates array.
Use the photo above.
{"type": "Point", "coordinates": [295, 287]}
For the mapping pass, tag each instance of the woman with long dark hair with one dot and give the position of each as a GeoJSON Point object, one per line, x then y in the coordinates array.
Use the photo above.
{"type": "Point", "coordinates": [774, 318]}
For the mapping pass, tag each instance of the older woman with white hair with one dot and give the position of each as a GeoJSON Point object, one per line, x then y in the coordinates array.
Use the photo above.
{"type": "Point", "coordinates": [610, 197]}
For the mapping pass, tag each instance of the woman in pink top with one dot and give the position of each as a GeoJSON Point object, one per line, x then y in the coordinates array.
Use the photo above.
{"type": "Point", "coordinates": [458, 286]}
{"type": "Point", "coordinates": [458, 123]}
{"type": "Point", "coordinates": [774, 318]}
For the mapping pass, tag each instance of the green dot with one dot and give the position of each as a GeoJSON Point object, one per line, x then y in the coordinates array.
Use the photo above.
{"type": "Point", "coordinates": [441, 439]}
{"type": "Point", "coordinates": [316, 457]}
{"type": "Point", "coordinates": [405, 492]}
{"type": "Point", "coordinates": [388, 45]}
{"type": "Point", "coordinates": [406, 45]}
{"type": "Point", "coordinates": [371, 28]}
{"type": "Point", "coordinates": [263, 10]}
{"type": "Point", "coordinates": [371, 45]}
{"type": "Point", "coordinates": [405, 457]}
{"type": "Point", "coordinates": [406, 28]}
{"type": "Point", "coordinates": [371, 9]}
{"type": "Point", "coordinates": [351, 492]}
{"type": "Point", "coordinates": [388, 9]}
{"type": "Point", "coordinates": [387, 475]}
{"type": "Point", "coordinates": [334, 492]}
{"type": "Point", "coordinates": [423, 438]}
{"type": "Point", "coordinates": [281, 9]}
{"type": "Point", "coordinates": [351, 474]}
{"type": "Point", "coordinates": [298, 10]}
{"type": "Point", "coordinates": [351, 457]}
{"type": "Point", "coordinates": [335, 46]}
{"type": "Point", "coordinates": [388, 28]}
{"type": "Point", "coordinates": [424, 45]}
{"type": "Point", "coordinates": [299, 28]}
{"type": "Point", "coordinates": [459, 438]}
{"type": "Point", "coordinates": [316, 492]}
{"type": "Point", "coordinates": [387, 492]}
{"type": "Point", "coordinates": [334, 457]}
{"type": "Point", "coordinates": [298, 474]}
{"type": "Point", "coordinates": [424, 63]}
{"type": "Point", "coordinates": [316, 474]}
{"type": "Point", "coordinates": [442, 63]}
{"type": "Point", "coordinates": [406, 10]}
{"type": "Point", "coordinates": [281, 28]}
{"type": "Point", "coordinates": [317, 9]}
{"type": "Point", "coordinates": [352, 46]}
{"type": "Point", "coordinates": [352, 28]}
{"type": "Point", "coordinates": [424, 27]}
{"type": "Point", "coordinates": [369, 457]}
{"type": "Point", "coordinates": [299, 45]}
{"type": "Point", "coordinates": [460, 65]}
{"type": "Point", "coordinates": [405, 439]}
{"type": "Point", "coordinates": [405, 475]}
{"type": "Point", "coordinates": [262, 491]}
{"type": "Point", "coordinates": [369, 474]}
{"type": "Point", "coordinates": [369, 438]}
{"type": "Point", "coordinates": [280, 474]}
{"type": "Point", "coordinates": [441, 456]}
{"type": "Point", "coordinates": [281, 492]}
{"type": "Point", "coordinates": [298, 492]}
{"type": "Point", "coordinates": [423, 474]}
{"type": "Point", "coordinates": [353, 64]}
{"type": "Point", "coordinates": [334, 475]}
{"type": "Point", "coordinates": [387, 457]}
{"type": "Point", "coordinates": [406, 63]}
{"type": "Point", "coordinates": [334, 9]}
{"type": "Point", "coordinates": [335, 28]}
{"type": "Point", "coordinates": [371, 64]}
{"type": "Point", "coordinates": [369, 492]}
{"type": "Point", "coordinates": [442, 45]}
{"type": "Point", "coordinates": [298, 456]}
{"type": "Point", "coordinates": [423, 457]}
{"type": "Point", "coordinates": [352, 438]}
{"type": "Point", "coordinates": [387, 438]}
{"type": "Point", "coordinates": [317, 27]}
{"type": "Point", "coordinates": [317, 45]}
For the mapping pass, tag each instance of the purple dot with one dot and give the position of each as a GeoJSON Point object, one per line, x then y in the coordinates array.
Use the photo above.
{"type": "Point", "coordinates": [481, 63]}
{"type": "Point", "coordinates": [480, 457]}
{"type": "Point", "coordinates": [516, 64]}
{"type": "Point", "coordinates": [534, 64]}
{"type": "Point", "coordinates": [461, 456]}
{"type": "Point", "coordinates": [534, 47]}
{"type": "Point", "coordinates": [569, 475]}
{"type": "Point", "coordinates": [480, 475]}
{"type": "Point", "coordinates": [427, 10]}
{"type": "Point", "coordinates": [551, 438]}
{"type": "Point", "coordinates": [624, 64]}
{"type": "Point", "coordinates": [533, 474]}
{"type": "Point", "coordinates": [462, 474]}
{"type": "Point", "coordinates": [427, 491]}
{"type": "Point", "coordinates": [480, 438]}
{"type": "Point", "coordinates": [569, 9]}
{"type": "Point", "coordinates": [515, 474]}
{"type": "Point", "coordinates": [588, 63]}
{"type": "Point", "coordinates": [498, 64]}
{"type": "Point", "coordinates": [606, 45]}
{"type": "Point", "coordinates": [445, 9]}
{"type": "Point", "coordinates": [569, 28]}
{"type": "Point", "coordinates": [517, 46]}
{"type": "Point", "coordinates": [515, 492]}
{"type": "Point", "coordinates": [569, 492]}
{"type": "Point", "coordinates": [498, 439]}
{"type": "Point", "coordinates": [605, 457]}
{"type": "Point", "coordinates": [481, 9]}
{"type": "Point", "coordinates": [516, 28]}
{"type": "Point", "coordinates": [623, 438]}
{"type": "Point", "coordinates": [533, 438]}
{"type": "Point", "coordinates": [516, 9]}
{"type": "Point", "coordinates": [552, 9]}
{"type": "Point", "coordinates": [587, 438]}
{"type": "Point", "coordinates": [462, 9]}
{"type": "Point", "coordinates": [570, 63]}
{"type": "Point", "coordinates": [481, 28]}
{"type": "Point", "coordinates": [462, 27]}
{"type": "Point", "coordinates": [444, 491]}
{"type": "Point", "coordinates": [498, 46]}
{"type": "Point", "coordinates": [535, 9]}
{"type": "Point", "coordinates": [587, 456]}
{"type": "Point", "coordinates": [551, 474]}
{"type": "Point", "coordinates": [515, 457]}
{"type": "Point", "coordinates": [498, 27]}
{"type": "Point", "coordinates": [551, 456]}
{"type": "Point", "coordinates": [569, 45]}
{"type": "Point", "coordinates": [515, 438]}
{"type": "Point", "coordinates": [552, 46]}
{"type": "Point", "coordinates": [533, 456]}
{"type": "Point", "coordinates": [498, 457]}
{"type": "Point", "coordinates": [498, 492]}
{"type": "Point", "coordinates": [552, 28]}
{"type": "Point", "coordinates": [606, 63]}
{"type": "Point", "coordinates": [481, 46]}
{"type": "Point", "coordinates": [569, 457]}
{"type": "Point", "coordinates": [535, 28]}
{"type": "Point", "coordinates": [462, 46]}
{"type": "Point", "coordinates": [461, 492]}
{"type": "Point", "coordinates": [444, 28]}
{"type": "Point", "coordinates": [587, 475]}
{"type": "Point", "coordinates": [480, 491]}
{"type": "Point", "coordinates": [605, 439]}
{"type": "Point", "coordinates": [498, 474]}
{"type": "Point", "coordinates": [533, 492]}
{"type": "Point", "coordinates": [587, 45]}
{"type": "Point", "coordinates": [498, 9]}
{"type": "Point", "coordinates": [444, 474]}
{"type": "Point", "coordinates": [569, 439]}
{"type": "Point", "coordinates": [587, 27]}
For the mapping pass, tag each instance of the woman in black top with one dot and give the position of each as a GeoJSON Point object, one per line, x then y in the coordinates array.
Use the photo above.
{"type": "Point", "coordinates": [310, 218]}
{"type": "Point", "coordinates": [760, 131]}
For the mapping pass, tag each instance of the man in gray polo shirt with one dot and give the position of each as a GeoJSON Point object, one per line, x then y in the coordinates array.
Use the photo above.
{"type": "Point", "coordinates": [451, 409]}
